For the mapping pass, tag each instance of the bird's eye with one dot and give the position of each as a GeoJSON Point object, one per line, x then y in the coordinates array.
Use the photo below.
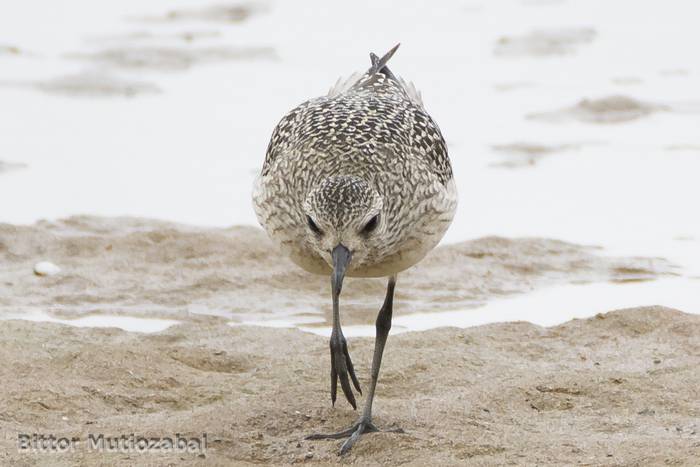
{"type": "Point", "coordinates": [370, 225]}
{"type": "Point", "coordinates": [312, 225]}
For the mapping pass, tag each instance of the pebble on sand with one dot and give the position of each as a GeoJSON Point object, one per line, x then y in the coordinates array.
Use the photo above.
{"type": "Point", "coordinates": [46, 268]}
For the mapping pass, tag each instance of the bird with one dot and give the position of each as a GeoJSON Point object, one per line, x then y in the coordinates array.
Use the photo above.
{"type": "Point", "coordinates": [357, 183]}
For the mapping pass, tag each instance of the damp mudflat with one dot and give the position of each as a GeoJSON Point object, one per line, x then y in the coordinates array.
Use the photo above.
{"type": "Point", "coordinates": [144, 269]}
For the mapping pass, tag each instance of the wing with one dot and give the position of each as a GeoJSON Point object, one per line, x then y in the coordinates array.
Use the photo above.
{"type": "Point", "coordinates": [363, 113]}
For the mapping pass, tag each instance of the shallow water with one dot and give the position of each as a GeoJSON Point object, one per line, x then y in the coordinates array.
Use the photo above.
{"type": "Point", "coordinates": [558, 304]}
{"type": "Point", "coordinates": [184, 144]}
{"type": "Point", "coordinates": [127, 323]}
{"type": "Point", "coordinates": [545, 307]}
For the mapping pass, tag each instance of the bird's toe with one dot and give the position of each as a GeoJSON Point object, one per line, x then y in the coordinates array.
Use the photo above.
{"type": "Point", "coordinates": [343, 369]}
{"type": "Point", "coordinates": [362, 426]}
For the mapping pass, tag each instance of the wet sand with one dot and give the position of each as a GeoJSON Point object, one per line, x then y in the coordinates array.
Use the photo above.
{"type": "Point", "coordinates": [168, 58]}
{"type": "Point", "coordinates": [524, 154]}
{"type": "Point", "coordinates": [615, 389]}
{"type": "Point", "coordinates": [544, 43]}
{"type": "Point", "coordinates": [95, 83]}
{"type": "Point", "coordinates": [611, 109]}
{"type": "Point", "coordinates": [147, 268]}
{"type": "Point", "coordinates": [8, 166]}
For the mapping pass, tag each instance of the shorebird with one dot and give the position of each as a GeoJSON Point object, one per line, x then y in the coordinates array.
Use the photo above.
{"type": "Point", "coordinates": [357, 183]}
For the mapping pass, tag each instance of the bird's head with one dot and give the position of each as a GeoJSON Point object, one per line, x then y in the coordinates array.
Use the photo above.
{"type": "Point", "coordinates": [344, 223]}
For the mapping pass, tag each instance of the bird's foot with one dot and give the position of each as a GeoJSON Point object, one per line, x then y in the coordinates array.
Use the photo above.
{"type": "Point", "coordinates": [362, 426]}
{"type": "Point", "coordinates": [341, 367]}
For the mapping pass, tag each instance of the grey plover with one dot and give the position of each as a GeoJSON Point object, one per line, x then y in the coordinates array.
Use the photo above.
{"type": "Point", "coordinates": [357, 183]}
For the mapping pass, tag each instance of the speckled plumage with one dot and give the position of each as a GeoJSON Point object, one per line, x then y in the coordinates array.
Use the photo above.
{"type": "Point", "coordinates": [367, 148]}
{"type": "Point", "coordinates": [357, 183]}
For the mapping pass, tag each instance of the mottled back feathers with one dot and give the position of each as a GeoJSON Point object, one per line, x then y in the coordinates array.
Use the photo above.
{"type": "Point", "coordinates": [366, 113]}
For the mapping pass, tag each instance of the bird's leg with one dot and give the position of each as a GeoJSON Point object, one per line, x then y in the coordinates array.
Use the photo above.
{"type": "Point", "coordinates": [364, 424]}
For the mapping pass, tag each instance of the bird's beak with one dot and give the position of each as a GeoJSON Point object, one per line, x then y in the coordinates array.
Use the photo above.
{"type": "Point", "coordinates": [341, 258]}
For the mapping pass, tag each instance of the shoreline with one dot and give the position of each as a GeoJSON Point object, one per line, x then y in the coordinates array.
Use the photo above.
{"type": "Point", "coordinates": [142, 268]}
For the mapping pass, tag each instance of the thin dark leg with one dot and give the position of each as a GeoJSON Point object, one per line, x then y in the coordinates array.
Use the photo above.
{"type": "Point", "coordinates": [364, 424]}
{"type": "Point", "coordinates": [383, 326]}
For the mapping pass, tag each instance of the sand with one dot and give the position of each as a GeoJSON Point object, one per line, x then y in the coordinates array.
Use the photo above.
{"type": "Point", "coordinates": [524, 154]}
{"type": "Point", "coordinates": [168, 58]}
{"type": "Point", "coordinates": [544, 43]}
{"type": "Point", "coordinates": [95, 83]}
{"type": "Point", "coordinates": [213, 13]}
{"type": "Point", "coordinates": [616, 389]}
{"type": "Point", "coordinates": [610, 109]}
{"type": "Point", "coordinates": [8, 166]}
{"type": "Point", "coordinates": [142, 267]}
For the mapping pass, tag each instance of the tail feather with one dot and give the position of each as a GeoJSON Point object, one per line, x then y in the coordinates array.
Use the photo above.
{"type": "Point", "coordinates": [379, 64]}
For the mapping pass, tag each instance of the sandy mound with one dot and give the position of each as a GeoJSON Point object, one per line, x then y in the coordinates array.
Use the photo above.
{"type": "Point", "coordinates": [145, 267]}
{"type": "Point", "coordinates": [96, 84]}
{"type": "Point", "coordinates": [523, 154]}
{"type": "Point", "coordinates": [213, 13]}
{"type": "Point", "coordinates": [143, 36]}
{"type": "Point", "coordinates": [616, 389]}
{"type": "Point", "coordinates": [8, 166]}
{"type": "Point", "coordinates": [89, 83]}
{"type": "Point", "coordinates": [169, 58]}
{"type": "Point", "coordinates": [9, 49]}
{"type": "Point", "coordinates": [611, 109]}
{"type": "Point", "coordinates": [543, 43]}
